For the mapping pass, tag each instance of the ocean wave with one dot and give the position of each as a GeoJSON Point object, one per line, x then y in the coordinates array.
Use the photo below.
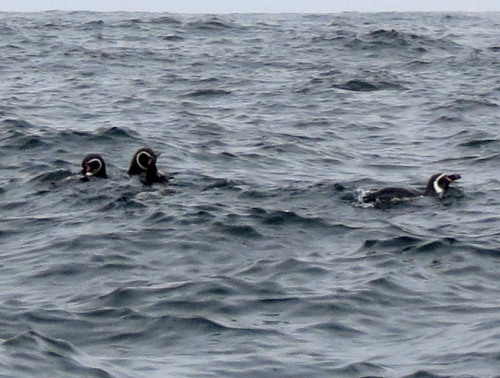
{"type": "Point", "coordinates": [237, 230]}
{"type": "Point", "coordinates": [213, 24]}
{"type": "Point", "coordinates": [167, 20]}
{"type": "Point", "coordinates": [290, 218]}
{"type": "Point", "coordinates": [480, 143]}
{"type": "Point", "coordinates": [211, 183]}
{"type": "Point", "coordinates": [361, 369]}
{"type": "Point", "coordinates": [208, 93]}
{"type": "Point", "coordinates": [467, 104]}
{"type": "Point", "coordinates": [173, 38]}
{"type": "Point", "coordinates": [255, 259]}
{"type": "Point", "coordinates": [398, 40]}
{"type": "Point", "coordinates": [409, 245]}
{"type": "Point", "coordinates": [335, 329]}
{"type": "Point", "coordinates": [495, 157]}
{"type": "Point", "coordinates": [357, 85]}
{"type": "Point", "coordinates": [35, 353]}
{"type": "Point", "coordinates": [22, 135]}
{"type": "Point", "coordinates": [52, 176]}
{"type": "Point", "coordinates": [13, 124]}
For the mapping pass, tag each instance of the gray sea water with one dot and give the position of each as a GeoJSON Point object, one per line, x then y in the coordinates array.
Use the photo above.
{"type": "Point", "coordinates": [256, 260]}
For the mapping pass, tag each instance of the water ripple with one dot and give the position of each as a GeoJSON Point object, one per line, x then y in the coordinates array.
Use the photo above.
{"type": "Point", "coordinates": [256, 259]}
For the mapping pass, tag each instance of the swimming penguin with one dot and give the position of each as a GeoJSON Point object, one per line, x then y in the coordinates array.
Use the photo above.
{"type": "Point", "coordinates": [144, 164]}
{"type": "Point", "coordinates": [438, 185]}
{"type": "Point", "coordinates": [93, 165]}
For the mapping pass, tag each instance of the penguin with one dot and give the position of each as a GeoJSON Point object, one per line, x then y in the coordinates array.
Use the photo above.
{"type": "Point", "coordinates": [437, 185]}
{"type": "Point", "coordinates": [93, 165]}
{"type": "Point", "coordinates": [144, 164]}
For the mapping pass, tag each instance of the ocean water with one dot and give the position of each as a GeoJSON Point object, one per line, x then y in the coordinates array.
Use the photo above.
{"type": "Point", "coordinates": [256, 260]}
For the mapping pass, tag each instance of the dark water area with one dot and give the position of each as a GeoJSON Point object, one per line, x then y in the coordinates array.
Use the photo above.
{"type": "Point", "coordinates": [257, 259]}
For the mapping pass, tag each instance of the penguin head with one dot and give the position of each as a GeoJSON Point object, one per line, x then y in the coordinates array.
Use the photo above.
{"type": "Point", "coordinates": [144, 160]}
{"type": "Point", "coordinates": [438, 184]}
{"type": "Point", "coordinates": [93, 165]}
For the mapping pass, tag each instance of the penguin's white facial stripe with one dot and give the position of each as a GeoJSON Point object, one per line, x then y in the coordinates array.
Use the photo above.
{"type": "Point", "coordinates": [139, 156]}
{"type": "Point", "coordinates": [437, 188]}
{"type": "Point", "coordinates": [93, 171]}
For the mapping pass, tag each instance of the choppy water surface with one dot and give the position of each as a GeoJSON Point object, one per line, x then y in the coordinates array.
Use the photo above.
{"type": "Point", "coordinates": [257, 259]}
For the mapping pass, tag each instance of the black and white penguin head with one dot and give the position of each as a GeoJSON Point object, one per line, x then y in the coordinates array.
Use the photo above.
{"type": "Point", "coordinates": [144, 160]}
{"type": "Point", "coordinates": [438, 184]}
{"type": "Point", "coordinates": [93, 165]}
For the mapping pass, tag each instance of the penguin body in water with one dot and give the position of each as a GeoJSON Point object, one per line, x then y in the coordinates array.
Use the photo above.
{"type": "Point", "coordinates": [437, 185]}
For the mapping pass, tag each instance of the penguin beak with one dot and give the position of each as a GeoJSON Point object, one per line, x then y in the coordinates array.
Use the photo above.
{"type": "Point", "coordinates": [452, 178]}
{"type": "Point", "coordinates": [88, 170]}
